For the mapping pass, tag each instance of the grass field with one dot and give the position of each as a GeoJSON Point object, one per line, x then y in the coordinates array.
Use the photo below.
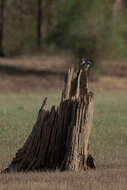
{"type": "Point", "coordinates": [108, 143]}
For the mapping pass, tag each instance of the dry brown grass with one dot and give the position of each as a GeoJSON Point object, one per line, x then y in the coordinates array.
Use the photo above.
{"type": "Point", "coordinates": [111, 174]}
{"type": "Point", "coordinates": [41, 72]}
{"type": "Point", "coordinates": [46, 72]}
{"type": "Point", "coordinates": [114, 68]}
{"type": "Point", "coordinates": [42, 62]}
{"type": "Point", "coordinates": [111, 178]}
{"type": "Point", "coordinates": [109, 83]}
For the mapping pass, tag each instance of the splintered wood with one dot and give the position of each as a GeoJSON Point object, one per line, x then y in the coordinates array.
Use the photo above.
{"type": "Point", "coordinates": [60, 136]}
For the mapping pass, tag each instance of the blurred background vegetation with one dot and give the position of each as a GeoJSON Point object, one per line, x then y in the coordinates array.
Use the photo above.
{"type": "Point", "coordinates": [96, 28]}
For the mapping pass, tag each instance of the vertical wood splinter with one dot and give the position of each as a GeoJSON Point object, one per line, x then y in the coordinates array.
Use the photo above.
{"type": "Point", "coordinates": [60, 136]}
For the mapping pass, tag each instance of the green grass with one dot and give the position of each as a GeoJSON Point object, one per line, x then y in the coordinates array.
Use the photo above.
{"type": "Point", "coordinates": [108, 143]}
{"type": "Point", "coordinates": [18, 114]}
{"type": "Point", "coordinates": [109, 133]}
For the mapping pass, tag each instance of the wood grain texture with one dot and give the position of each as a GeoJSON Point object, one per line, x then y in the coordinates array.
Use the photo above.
{"type": "Point", "coordinates": [60, 136]}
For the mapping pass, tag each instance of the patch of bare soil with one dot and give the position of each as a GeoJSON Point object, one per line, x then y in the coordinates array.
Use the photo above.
{"type": "Point", "coordinates": [34, 73]}
{"type": "Point", "coordinates": [114, 68]}
{"type": "Point", "coordinates": [46, 72]}
{"type": "Point", "coordinates": [109, 83]}
{"type": "Point", "coordinates": [112, 177]}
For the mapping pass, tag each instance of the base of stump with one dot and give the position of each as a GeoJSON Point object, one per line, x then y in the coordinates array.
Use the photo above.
{"type": "Point", "coordinates": [60, 136]}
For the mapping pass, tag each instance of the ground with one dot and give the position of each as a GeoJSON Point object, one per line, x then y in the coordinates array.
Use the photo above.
{"type": "Point", "coordinates": [32, 73]}
{"type": "Point", "coordinates": [24, 82]}
{"type": "Point", "coordinates": [46, 72]}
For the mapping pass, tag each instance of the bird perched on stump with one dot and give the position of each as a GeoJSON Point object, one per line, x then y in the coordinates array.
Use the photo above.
{"type": "Point", "coordinates": [85, 63]}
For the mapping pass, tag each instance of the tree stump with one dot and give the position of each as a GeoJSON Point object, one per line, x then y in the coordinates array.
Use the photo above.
{"type": "Point", "coordinates": [59, 139]}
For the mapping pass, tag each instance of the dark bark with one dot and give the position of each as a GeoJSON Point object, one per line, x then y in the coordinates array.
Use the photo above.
{"type": "Point", "coordinates": [125, 5]}
{"type": "Point", "coordinates": [43, 17]}
{"type": "Point", "coordinates": [60, 136]}
{"type": "Point", "coordinates": [40, 23]}
{"type": "Point", "coordinates": [2, 27]}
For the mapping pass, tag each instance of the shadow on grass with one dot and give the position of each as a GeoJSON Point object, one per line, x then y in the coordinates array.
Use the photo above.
{"type": "Point", "coordinates": [20, 71]}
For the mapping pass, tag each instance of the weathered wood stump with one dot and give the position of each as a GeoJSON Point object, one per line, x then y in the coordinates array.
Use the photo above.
{"type": "Point", "coordinates": [59, 139]}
